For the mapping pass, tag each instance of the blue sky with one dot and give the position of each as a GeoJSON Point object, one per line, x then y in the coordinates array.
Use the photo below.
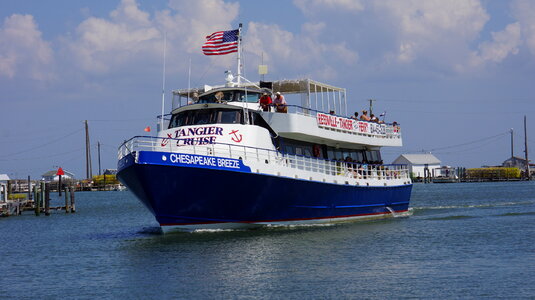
{"type": "Point", "coordinates": [456, 74]}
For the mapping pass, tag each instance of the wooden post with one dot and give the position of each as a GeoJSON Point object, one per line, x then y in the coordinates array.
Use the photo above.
{"type": "Point", "coordinates": [67, 209]}
{"type": "Point", "coordinates": [59, 185]}
{"type": "Point", "coordinates": [37, 202]}
{"type": "Point", "coordinates": [29, 188]}
{"type": "Point", "coordinates": [73, 208]}
{"type": "Point", "coordinates": [34, 198]}
{"type": "Point", "coordinates": [42, 204]}
{"type": "Point", "coordinates": [8, 189]}
{"type": "Point", "coordinates": [47, 199]}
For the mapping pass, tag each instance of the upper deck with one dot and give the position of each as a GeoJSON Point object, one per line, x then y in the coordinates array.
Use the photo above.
{"type": "Point", "coordinates": [313, 121]}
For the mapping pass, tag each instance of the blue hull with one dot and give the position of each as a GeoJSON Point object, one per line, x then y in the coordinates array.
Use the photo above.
{"type": "Point", "coordinates": [193, 195]}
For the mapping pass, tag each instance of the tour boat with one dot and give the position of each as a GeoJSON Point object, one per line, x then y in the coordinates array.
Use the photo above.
{"type": "Point", "coordinates": [220, 161]}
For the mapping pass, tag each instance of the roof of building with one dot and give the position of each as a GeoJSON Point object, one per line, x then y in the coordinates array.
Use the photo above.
{"type": "Point", "coordinates": [53, 173]}
{"type": "Point", "coordinates": [110, 172]}
{"type": "Point", "coordinates": [4, 177]}
{"type": "Point", "coordinates": [420, 159]}
{"type": "Point", "coordinates": [516, 158]}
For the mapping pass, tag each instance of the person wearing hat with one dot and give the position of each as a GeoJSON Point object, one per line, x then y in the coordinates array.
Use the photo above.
{"type": "Point", "coordinates": [280, 103]}
{"type": "Point", "coordinates": [364, 116]}
{"type": "Point", "coordinates": [265, 102]}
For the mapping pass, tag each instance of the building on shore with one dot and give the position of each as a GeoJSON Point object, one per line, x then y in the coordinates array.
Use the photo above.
{"type": "Point", "coordinates": [3, 187]}
{"type": "Point", "coordinates": [51, 176]}
{"type": "Point", "coordinates": [420, 165]}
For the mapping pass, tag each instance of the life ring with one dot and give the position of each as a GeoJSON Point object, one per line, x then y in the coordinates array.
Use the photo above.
{"type": "Point", "coordinates": [316, 150]}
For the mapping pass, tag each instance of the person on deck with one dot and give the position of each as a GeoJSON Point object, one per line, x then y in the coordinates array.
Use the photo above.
{"type": "Point", "coordinates": [355, 116]}
{"type": "Point", "coordinates": [364, 116]}
{"type": "Point", "coordinates": [265, 102]}
{"type": "Point", "coordinates": [280, 103]}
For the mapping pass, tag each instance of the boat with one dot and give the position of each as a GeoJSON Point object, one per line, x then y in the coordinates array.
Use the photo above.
{"type": "Point", "coordinates": [222, 161]}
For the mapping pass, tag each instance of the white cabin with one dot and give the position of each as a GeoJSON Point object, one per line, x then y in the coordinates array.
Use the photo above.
{"type": "Point", "coordinates": [418, 162]}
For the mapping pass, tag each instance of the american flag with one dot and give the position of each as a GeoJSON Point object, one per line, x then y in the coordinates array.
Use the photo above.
{"type": "Point", "coordinates": [221, 42]}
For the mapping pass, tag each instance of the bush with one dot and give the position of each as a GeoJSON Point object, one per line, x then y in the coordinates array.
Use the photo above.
{"type": "Point", "coordinates": [17, 196]}
{"type": "Point", "coordinates": [493, 173]}
{"type": "Point", "coordinates": [105, 179]}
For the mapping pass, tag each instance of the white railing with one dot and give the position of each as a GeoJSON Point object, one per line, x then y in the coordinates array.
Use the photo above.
{"type": "Point", "coordinates": [269, 158]}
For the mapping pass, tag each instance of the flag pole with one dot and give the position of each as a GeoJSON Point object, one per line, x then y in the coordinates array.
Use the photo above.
{"type": "Point", "coordinates": [163, 80]}
{"type": "Point", "coordinates": [239, 54]}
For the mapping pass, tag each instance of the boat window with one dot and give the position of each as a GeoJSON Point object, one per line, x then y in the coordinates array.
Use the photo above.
{"type": "Point", "coordinates": [232, 95]}
{"type": "Point", "coordinates": [206, 116]}
{"type": "Point", "coordinates": [202, 117]}
{"type": "Point", "coordinates": [180, 119]}
{"type": "Point", "coordinates": [251, 97]}
{"type": "Point", "coordinates": [330, 154]}
{"type": "Point", "coordinates": [359, 156]}
{"type": "Point", "coordinates": [289, 149]}
{"type": "Point", "coordinates": [228, 117]}
{"type": "Point", "coordinates": [373, 156]}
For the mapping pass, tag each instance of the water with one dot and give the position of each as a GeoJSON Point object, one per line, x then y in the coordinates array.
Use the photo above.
{"type": "Point", "coordinates": [468, 240]}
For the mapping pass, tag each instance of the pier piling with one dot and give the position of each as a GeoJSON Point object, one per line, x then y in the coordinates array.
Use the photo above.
{"type": "Point", "coordinates": [73, 208]}
{"type": "Point", "coordinates": [42, 204]}
{"type": "Point", "coordinates": [67, 191]}
{"type": "Point", "coordinates": [37, 202]}
{"type": "Point", "coordinates": [47, 199]}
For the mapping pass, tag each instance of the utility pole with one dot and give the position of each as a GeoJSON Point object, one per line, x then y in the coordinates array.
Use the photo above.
{"type": "Point", "coordinates": [98, 144]}
{"type": "Point", "coordinates": [371, 106]}
{"type": "Point", "coordinates": [526, 147]}
{"type": "Point", "coordinates": [88, 170]}
{"type": "Point", "coordinates": [512, 144]}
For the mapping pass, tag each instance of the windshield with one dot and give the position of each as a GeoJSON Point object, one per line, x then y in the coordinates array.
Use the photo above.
{"type": "Point", "coordinates": [232, 95]}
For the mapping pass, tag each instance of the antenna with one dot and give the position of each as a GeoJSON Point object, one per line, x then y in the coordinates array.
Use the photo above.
{"type": "Point", "coordinates": [371, 105]}
{"type": "Point", "coordinates": [163, 79]}
{"type": "Point", "coordinates": [189, 78]}
{"type": "Point", "coordinates": [262, 69]}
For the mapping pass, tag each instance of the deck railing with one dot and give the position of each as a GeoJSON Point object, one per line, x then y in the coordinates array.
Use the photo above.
{"type": "Point", "coordinates": [316, 166]}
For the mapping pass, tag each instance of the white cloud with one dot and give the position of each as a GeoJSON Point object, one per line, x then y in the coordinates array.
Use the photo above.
{"type": "Point", "coordinates": [311, 7]}
{"type": "Point", "coordinates": [435, 29]}
{"type": "Point", "coordinates": [503, 43]}
{"type": "Point", "coordinates": [23, 52]}
{"type": "Point", "coordinates": [297, 52]}
{"type": "Point", "coordinates": [524, 12]}
{"type": "Point", "coordinates": [130, 34]}
{"type": "Point", "coordinates": [194, 20]}
{"type": "Point", "coordinates": [102, 44]}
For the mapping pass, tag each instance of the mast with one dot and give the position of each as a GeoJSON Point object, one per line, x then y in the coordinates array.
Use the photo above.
{"type": "Point", "coordinates": [239, 54]}
{"type": "Point", "coordinates": [512, 144]}
{"type": "Point", "coordinates": [88, 170]}
{"type": "Point", "coordinates": [163, 79]}
{"type": "Point", "coordinates": [98, 146]}
{"type": "Point", "coordinates": [526, 147]}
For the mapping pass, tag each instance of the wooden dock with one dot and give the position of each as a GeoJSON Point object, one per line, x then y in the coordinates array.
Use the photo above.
{"type": "Point", "coordinates": [38, 201]}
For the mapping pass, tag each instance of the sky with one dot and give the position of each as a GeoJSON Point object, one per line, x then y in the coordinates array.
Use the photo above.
{"type": "Point", "coordinates": [457, 75]}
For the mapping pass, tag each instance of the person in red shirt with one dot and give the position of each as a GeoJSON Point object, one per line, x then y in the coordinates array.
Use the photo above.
{"type": "Point", "coordinates": [265, 102]}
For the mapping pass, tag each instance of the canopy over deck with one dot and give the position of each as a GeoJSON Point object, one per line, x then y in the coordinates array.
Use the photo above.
{"type": "Point", "coordinates": [314, 95]}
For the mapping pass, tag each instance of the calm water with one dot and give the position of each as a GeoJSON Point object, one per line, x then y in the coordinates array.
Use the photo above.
{"type": "Point", "coordinates": [469, 240]}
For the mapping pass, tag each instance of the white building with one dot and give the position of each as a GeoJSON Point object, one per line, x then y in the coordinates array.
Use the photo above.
{"type": "Point", "coordinates": [3, 187]}
{"type": "Point", "coordinates": [51, 176]}
{"type": "Point", "coordinates": [418, 162]}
